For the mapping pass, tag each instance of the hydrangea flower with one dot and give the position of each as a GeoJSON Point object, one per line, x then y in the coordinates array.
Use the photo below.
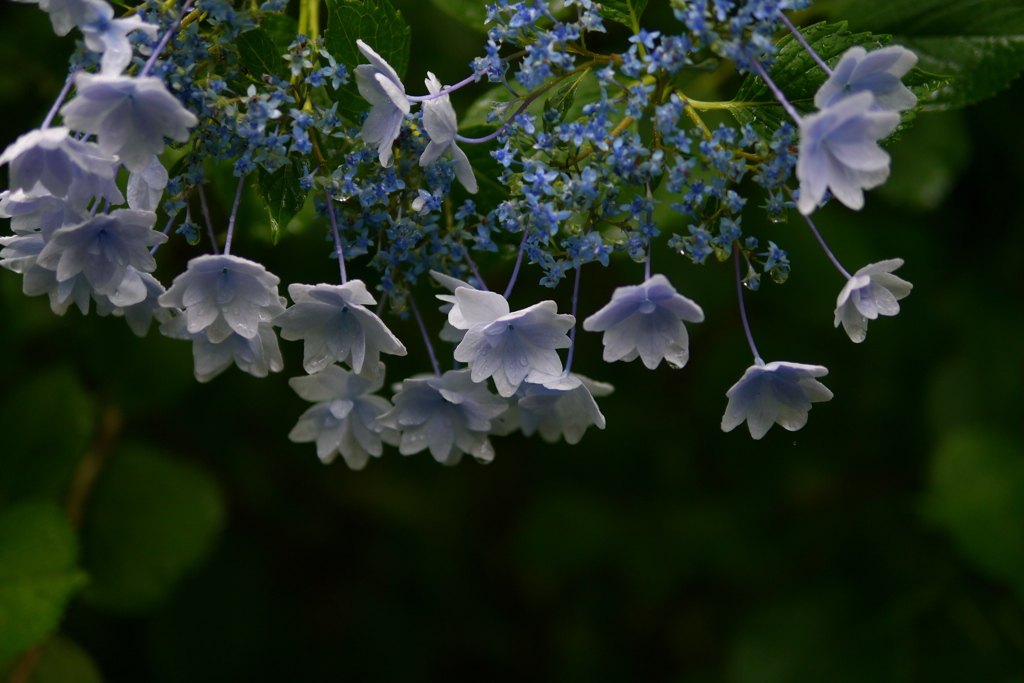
{"type": "Point", "coordinates": [563, 410]}
{"type": "Point", "coordinates": [42, 213]}
{"type": "Point", "coordinates": [109, 36]}
{"type": "Point", "coordinates": [67, 168]}
{"type": "Point", "coordinates": [878, 72]}
{"type": "Point", "coordinates": [872, 291]}
{"type": "Point", "coordinates": [449, 333]}
{"type": "Point", "coordinates": [138, 299]}
{"type": "Point", "coordinates": [103, 247]}
{"type": "Point", "coordinates": [777, 393]}
{"type": "Point", "coordinates": [646, 320]}
{"type": "Point", "coordinates": [379, 85]}
{"type": "Point", "coordinates": [509, 346]}
{"type": "Point", "coordinates": [451, 415]}
{"type": "Point", "coordinates": [64, 14]}
{"type": "Point", "coordinates": [336, 326]}
{"type": "Point", "coordinates": [441, 125]}
{"type": "Point", "coordinates": [839, 152]}
{"type": "Point", "coordinates": [224, 295]}
{"type": "Point", "coordinates": [146, 187]}
{"type": "Point", "coordinates": [344, 419]}
{"type": "Point", "coordinates": [129, 116]}
{"type": "Point", "coordinates": [257, 355]}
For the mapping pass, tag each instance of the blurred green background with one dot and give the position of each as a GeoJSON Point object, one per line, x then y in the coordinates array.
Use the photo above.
{"type": "Point", "coordinates": [883, 542]}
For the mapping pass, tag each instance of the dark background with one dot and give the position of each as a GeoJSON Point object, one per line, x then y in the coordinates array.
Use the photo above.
{"type": "Point", "coordinates": [883, 542]}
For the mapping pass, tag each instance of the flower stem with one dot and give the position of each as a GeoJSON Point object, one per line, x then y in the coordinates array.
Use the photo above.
{"type": "Point", "coordinates": [426, 337]}
{"type": "Point", "coordinates": [799, 37]}
{"type": "Point", "coordinates": [209, 223]}
{"type": "Point", "coordinates": [828, 252]}
{"type": "Point", "coordinates": [231, 218]}
{"type": "Point", "coordinates": [60, 100]}
{"type": "Point", "coordinates": [743, 307]}
{"type": "Point", "coordinates": [164, 40]}
{"type": "Point", "coordinates": [476, 273]}
{"type": "Point", "coordinates": [337, 237]}
{"type": "Point", "coordinates": [575, 324]}
{"type": "Point", "coordinates": [515, 270]}
{"type": "Point", "coordinates": [779, 95]}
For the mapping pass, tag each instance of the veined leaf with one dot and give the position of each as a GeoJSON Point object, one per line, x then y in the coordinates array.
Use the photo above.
{"type": "Point", "coordinates": [281, 194]}
{"type": "Point", "coordinates": [624, 11]}
{"type": "Point", "coordinates": [260, 55]}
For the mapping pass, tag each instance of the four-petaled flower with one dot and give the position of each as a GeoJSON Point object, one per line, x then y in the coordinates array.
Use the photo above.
{"type": "Point", "coordinates": [872, 291]}
{"type": "Point", "coordinates": [777, 393]}
{"type": "Point", "coordinates": [839, 151]}
{"type": "Point", "coordinates": [344, 419]}
{"type": "Point", "coordinates": [379, 85]}
{"type": "Point", "coordinates": [441, 125]}
{"type": "Point", "coordinates": [646, 320]}
{"type": "Point", "coordinates": [509, 346]}
{"type": "Point", "coordinates": [878, 72]}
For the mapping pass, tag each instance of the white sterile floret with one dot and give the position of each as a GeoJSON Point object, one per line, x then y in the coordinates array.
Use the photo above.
{"type": "Point", "coordinates": [336, 326]}
{"type": "Point", "coordinates": [109, 36]}
{"type": "Point", "coordinates": [67, 168]}
{"type": "Point", "coordinates": [129, 116]}
{"type": "Point", "coordinates": [449, 333]}
{"type": "Point", "coordinates": [146, 187]}
{"type": "Point", "coordinates": [441, 125]}
{"type": "Point", "coordinates": [839, 151]}
{"type": "Point", "coordinates": [140, 311]}
{"type": "Point", "coordinates": [564, 409]}
{"type": "Point", "coordinates": [42, 213]}
{"type": "Point", "coordinates": [257, 355]}
{"type": "Point", "coordinates": [379, 85]}
{"type": "Point", "coordinates": [872, 291]}
{"type": "Point", "coordinates": [64, 14]}
{"type": "Point", "coordinates": [646, 320]}
{"type": "Point", "coordinates": [344, 419]}
{"type": "Point", "coordinates": [777, 393]}
{"type": "Point", "coordinates": [878, 72]}
{"type": "Point", "coordinates": [103, 248]}
{"type": "Point", "coordinates": [222, 295]}
{"type": "Point", "coordinates": [451, 415]}
{"type": "Point", "coordinates": [509, 346]}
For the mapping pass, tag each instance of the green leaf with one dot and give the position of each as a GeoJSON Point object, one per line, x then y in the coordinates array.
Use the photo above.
{"type": "Point", "coordinates": [980, 43]}
{"type": "Point", "coordinates": [151, 519]}
{"type": "Point", "coordinates": [378, 25]}
{"type": "Point", "coordinates": [976, 493]}
{"type": "Point", "coordinates": [281, 29]}
{"type": "Point", "coordinates": [281, 194]}
{"type": "Point", "coordinates": [928, 161]}
{"type": "Point", "coordinates": [60, 661]}
{"type": "Point", "coordinates": [565, 96]}
{"type": "Point", "coordinates": [471, 13]}
{"type": "Point", "coordinates": [799, 76]}
{"type": "Point", "coordinates": [38, 574]}
{"type": "Point", "coordinates": [624, 11]}
{"type": "Point", "coordinates": [259, 54]}
{"type": "Point", "coordinates": [43, 446]}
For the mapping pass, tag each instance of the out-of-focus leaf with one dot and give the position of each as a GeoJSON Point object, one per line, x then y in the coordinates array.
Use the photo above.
{"type": "Point", "coordinates": [470, 13]}
{"type": "Point", "coordinates": [42, 446]}
{"type": "Point", "coordinates": [38, 574]}
{"type": "Point", "coordinates": [927, 162]}
{"type": "Point", "coordinates": [151, 518]}
{"type": "Point", "coordinates": [980, 43]}
{"type": "Point", "coordinates": [377, 24]}
{"type": "Point", "coordinates": [60, 661]}
{"type": "Point", "coordinates": [976, 494]}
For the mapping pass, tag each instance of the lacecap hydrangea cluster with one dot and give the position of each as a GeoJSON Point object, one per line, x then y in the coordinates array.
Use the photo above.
{"type": "Point", "coordinates": [580, 147]}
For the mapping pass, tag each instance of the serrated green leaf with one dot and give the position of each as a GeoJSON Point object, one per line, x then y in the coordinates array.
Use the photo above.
{"type": "Point", "coordinates": [471, 13]}
{"type": "Point", "coordinates": [151, 519]}
{"type": "Point", "coordinates": [799, 76]}
{"type": "Point", "coordinates": [377, 24]}
{"type": "Point", "coordinates": [281, 194]}
{"type": "Point", "coordinates": [980, 43]}
{"type": "Point", "coordinates": [42, 448]}
{"type": "Point", "coordinates": [259, 54]}
{"type": "Point", "coordinates": [565, 96]}
{"type": "Point", "coordinates": [38, 574]}
{"type": "Point", "coordinates": [624, 11]}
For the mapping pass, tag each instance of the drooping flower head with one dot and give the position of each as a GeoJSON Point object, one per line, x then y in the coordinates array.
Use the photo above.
{"type": "Point", "coordinates": [336, 326]}
{"type": "Point", "coordinates": [344, 419]}
{"type": "Point", "coordinates": [646, 321]}
{"type": "Point", "coordinates": [872, 291]}
{"type": "Point", "coordinates": [129, 116]}
{"type": "Point", "coordinates": [222, 295]}
{"type": "Point", "coordinates": [878, 72]}
{"type": "Point", "coordinates": [109, 36]}
{"type": "Point", "coordinates": [450, 415]}
{"type": "Point", "coordinates": [565, 409]}
{"type": "Point", "coordinates": [839, 151]}
{"type": "Point", "coordinates": [257, 355]}
{"type": "Point", "coordinates": [508, 346]}
{"type": "Point", "coordinates": [777, 393]}
{"type": "Point", "coordinates": [379, 85]}
{"type": "Point", "coordinates": [441, 125]}
{"type": "Point", "coordinates": [146, 187]}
